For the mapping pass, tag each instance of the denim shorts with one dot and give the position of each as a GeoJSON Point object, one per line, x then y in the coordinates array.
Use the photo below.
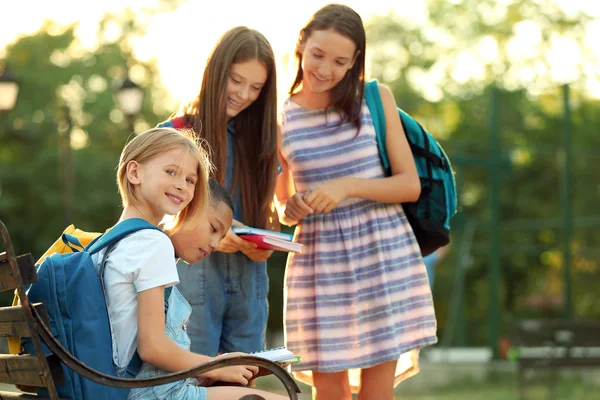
{"type": "Point", "coordinates": [228, 294]}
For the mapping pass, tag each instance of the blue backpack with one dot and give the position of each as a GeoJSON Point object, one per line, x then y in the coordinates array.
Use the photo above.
{"type": "Point", "coordinates": [72, 290]}
{"type": "Point", "coordinates": [430, 215]}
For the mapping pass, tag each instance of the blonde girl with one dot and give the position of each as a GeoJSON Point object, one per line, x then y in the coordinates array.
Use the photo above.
{"type": "Point", "coordinates": [162, 172]}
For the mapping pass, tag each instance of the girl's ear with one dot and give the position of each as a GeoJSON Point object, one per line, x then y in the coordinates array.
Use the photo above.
{"type": "Point", "coordinates": [133, 172]}
{"type": "Point", "coordinates": [301, 42]}
{"type": "Point", "coordinates": [351, 65]}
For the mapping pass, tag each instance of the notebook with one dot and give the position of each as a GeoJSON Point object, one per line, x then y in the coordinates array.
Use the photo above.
{"type": "Point", "coordinates": [279, 355]}
{"type": "Point", "coordinates": [269, 243]}
{"type": "Point", "coordinates": [248, 230]}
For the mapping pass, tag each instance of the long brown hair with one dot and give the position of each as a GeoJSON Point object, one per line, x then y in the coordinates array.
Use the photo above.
{"type": "Point", "coordinates": [255, 166]}
{"type": "Point", "coordinates": [346, 96]}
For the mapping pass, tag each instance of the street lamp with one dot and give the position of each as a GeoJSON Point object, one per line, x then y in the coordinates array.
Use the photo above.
{"type": "Point", "coordinates": [129, 98]}
{"type": "Point", "coordinates": [9, 90]}
{"type": "Point", "coordinates": [66, 162]}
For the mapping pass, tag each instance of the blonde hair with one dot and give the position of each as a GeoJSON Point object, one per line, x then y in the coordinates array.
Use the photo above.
{"type": "Point", "coordinates": [154, 142]}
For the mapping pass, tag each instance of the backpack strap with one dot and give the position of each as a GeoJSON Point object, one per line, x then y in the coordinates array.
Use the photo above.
{"type": "Point", "coordinates": [118, 232]}
{"type": "Point", "coordinates": [373, 97]}
{"type": "Point", "coordinates": [72, 242]}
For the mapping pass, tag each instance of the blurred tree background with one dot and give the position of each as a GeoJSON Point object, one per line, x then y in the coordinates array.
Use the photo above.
{"type": "Point", "coordinates": [518, 55]}
{"type": "Point", "coordinates": [65, 87]}
{"type": "Point", "coordinates": [471, 57]}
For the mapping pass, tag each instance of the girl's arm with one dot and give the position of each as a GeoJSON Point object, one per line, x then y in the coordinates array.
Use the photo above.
{"type": "Point", "coordinates": [404, 184]}
{"type": "Point", "coordinates": [155, 347]}
{"type": "Point", "coordinates": [285, 187]}
{"type": "Point", "coordinates": [290, 204]}
{"type": "Point", "coordinates": [232, 243]}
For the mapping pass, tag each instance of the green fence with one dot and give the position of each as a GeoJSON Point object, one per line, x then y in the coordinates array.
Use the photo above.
{"type": "Point", "coordinates": [528, 247]}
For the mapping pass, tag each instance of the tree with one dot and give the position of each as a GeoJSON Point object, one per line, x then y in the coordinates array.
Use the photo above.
{"type": "Point", "coordinates": [443, 74]}
{"type": "Point", "coordinates": [65, 87]}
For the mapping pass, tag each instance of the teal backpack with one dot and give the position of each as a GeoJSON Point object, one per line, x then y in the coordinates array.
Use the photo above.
{"type": "Point", "coordinates": [71, 286]}
{"type": "Point", "coordinates": [430, 215]}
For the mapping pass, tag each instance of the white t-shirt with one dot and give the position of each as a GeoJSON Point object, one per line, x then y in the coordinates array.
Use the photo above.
{"type": "Point", "coordinates": [141, 261]}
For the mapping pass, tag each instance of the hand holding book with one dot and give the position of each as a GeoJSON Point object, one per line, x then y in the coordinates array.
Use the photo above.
{"type": "Point", "coordinates": [266, 239]}
{"type": "Point", "coordinates": [280, 355]}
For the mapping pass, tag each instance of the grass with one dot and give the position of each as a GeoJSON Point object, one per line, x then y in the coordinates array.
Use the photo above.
{"type": "Point", "coordinates": [498, 386]}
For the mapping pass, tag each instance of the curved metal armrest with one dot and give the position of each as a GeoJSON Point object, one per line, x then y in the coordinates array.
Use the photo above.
{"type": "Point", "coordinates": [73, 363]}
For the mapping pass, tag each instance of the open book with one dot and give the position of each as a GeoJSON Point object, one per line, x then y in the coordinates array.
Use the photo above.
{"type": "Point", "coordinates": [279, 355]}
{"type": "Point", "coordinates": [265, 239]}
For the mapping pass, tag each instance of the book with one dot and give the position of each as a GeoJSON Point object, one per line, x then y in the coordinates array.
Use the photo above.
{"type": "Point", "coordinates": [269, 243]}
{"type": "Point", "coordinates": [248, 230]}
{"type": "Point", "coordinates": [278, 355]}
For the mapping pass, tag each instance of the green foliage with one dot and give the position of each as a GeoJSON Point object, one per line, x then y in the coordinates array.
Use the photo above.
{"type": "Point", "coordinates": [417, 62]}
{"type": "Point", "coordinates": [531, 127]}
{"type": "Point", "coordinates": [65, 87]}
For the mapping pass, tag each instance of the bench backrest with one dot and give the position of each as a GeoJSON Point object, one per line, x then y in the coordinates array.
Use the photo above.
{"type": "Point", "coordinates": [17, 321]}
{"type": "Point", "coordinates": [43, 371]}
{"type": "Point", "coordinates": [557, 343]}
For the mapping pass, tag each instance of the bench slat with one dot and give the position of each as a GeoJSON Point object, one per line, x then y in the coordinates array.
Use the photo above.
{"type": "Point", "coordinates": [555, 343]}
{"type": "Point", "coordinates": [21, 370]}
{"type": "Point", "coordinates": [559, 362]}
{"type": "Point", "coordinates": [13, 320]}
{"type": "Point", "coordinates": [531, 333]}
{"type": "Point", "coordinates": [26, 266]}
{"type": "Point", "coordinates": [20, 396]}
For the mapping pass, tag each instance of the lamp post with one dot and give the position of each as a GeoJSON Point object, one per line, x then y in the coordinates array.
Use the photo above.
{"type": "Point", "coordinates": [9, 90]}
{"type": "Point", "coordinates": [130, 97]}
{"type": "Point", "coordinates": [66, 161]}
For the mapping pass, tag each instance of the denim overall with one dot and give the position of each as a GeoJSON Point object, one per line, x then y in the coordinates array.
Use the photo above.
{"type": "Point", "coordinates": [177, 319]}
{"type": "Point", "coordinates": [227, 291]}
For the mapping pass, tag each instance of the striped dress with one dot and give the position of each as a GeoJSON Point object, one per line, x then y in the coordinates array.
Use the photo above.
{"type": "Point", "coordinates": [358, 295]}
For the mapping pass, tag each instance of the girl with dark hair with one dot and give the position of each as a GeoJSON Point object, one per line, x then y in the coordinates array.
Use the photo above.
{"type": "Point", "coordinates": [236, 115]}
{"type": "Point", "coordinates": [357, 297]}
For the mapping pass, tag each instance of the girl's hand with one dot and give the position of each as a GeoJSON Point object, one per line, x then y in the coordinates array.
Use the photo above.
{"type": "Point", "coordinates": [326, 198]}
{"type": "Point", "coordinates": [240, 374]}
{"type": "Point", "coordinates": [296, 208]}
{"type": "Point", "coordinates": [257, 255]}
{"type": "Point", "coordinates": [232, 243]}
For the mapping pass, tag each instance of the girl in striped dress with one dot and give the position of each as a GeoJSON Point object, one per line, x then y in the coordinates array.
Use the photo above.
{"type": "Point", "coordinates": [357, 298]}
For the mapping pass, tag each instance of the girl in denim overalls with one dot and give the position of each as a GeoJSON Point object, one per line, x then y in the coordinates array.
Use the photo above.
{"type": "Point", "coordinates": [161, 172]}
{"type": "Point", "coordinates": [236, 113]}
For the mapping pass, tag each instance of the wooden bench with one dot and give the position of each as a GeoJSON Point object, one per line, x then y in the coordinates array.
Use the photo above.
{"type": "Point", "coordinates": [31, 320]}
{"type": "Point", "coordinates": [552, 345]}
